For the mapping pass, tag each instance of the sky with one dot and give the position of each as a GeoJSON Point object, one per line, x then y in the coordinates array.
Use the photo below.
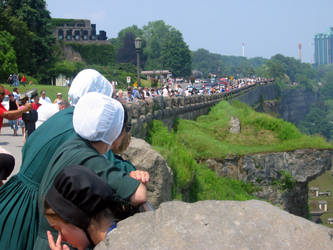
{"type": "Point", "coordinates": [266, 27]}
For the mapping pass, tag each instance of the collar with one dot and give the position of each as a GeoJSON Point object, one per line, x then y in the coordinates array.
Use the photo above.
{"type": "Point", "coordinates": [113, 226]}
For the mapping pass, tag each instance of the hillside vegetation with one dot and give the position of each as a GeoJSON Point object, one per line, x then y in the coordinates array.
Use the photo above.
{"type": "Point", "coordinates": [192, 142]}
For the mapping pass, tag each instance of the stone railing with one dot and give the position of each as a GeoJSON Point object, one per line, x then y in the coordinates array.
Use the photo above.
{"type": "Point", "coordinates": [168, 109]}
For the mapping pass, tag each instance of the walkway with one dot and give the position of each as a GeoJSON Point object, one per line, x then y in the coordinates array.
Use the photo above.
{"type": "Point", "coordinates": [12, 144]}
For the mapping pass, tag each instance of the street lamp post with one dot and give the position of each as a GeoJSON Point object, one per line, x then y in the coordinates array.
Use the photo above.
{"type": "Point", "coordinates": [138, 43]}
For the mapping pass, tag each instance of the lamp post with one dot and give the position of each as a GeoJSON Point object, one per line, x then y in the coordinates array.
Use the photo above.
{"type": "Point", "coordinates": [138, 43]}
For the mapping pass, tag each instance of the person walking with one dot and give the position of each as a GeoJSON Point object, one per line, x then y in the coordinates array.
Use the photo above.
{"type": "Point", "coordinates": [24, 80]}
{"type": "Point", "coordinates": [13, 105]}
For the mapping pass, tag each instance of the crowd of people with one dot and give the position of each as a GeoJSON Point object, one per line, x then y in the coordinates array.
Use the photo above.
{"type": "Point", "coordinates": [73, 154]}
{"type": "Point", "coordinates": [182, 90]}
{"type": "Point", "coordinates": [41, 109]}
{"type": "Point", "coordinates": [14, 80]}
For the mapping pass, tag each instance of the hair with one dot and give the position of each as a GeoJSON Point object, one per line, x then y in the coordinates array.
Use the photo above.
{"type": "Point", "coordinates": [114, 213]}
{"type": "Point", "coordinates": [124, 143]}
{"type": "Point", "coordinates": [49, 212]}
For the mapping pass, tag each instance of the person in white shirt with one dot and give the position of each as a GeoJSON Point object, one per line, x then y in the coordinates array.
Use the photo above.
{"type": "Point", "coordinates": [165, 91]}
{"type": "Point", "coordinates": [43, 98]}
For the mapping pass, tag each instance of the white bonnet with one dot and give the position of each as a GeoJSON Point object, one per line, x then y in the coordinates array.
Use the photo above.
{"type": "Point", "coordinates": [98, 118]}
{"type": "Point", "coordinates": [88, 80]}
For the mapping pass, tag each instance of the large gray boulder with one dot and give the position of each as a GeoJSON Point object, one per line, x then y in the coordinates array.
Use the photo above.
{"type": "Point", "coordinates": [218, 225]}
{"type": "Point", "coordinates": [143, 157]}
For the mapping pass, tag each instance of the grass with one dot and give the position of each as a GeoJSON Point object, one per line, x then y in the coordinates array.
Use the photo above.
{"type": "Point", "coordinates": [324, 183]}
{"type": "Point", "coordinates": [209, 136]}
{"type": "Point", "coordinates": [51, 91]}
{"type": "Point", "coordinates": [193, 181]}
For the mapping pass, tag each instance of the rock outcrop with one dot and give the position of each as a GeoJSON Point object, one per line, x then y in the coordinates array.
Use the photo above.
{"type": "Point", "coordinates": [218, 225]}
{"type": "Point", "coordinates": [144, 157]}
{"type": "Point", "coordinates": [295, 104]}
{"type": "Point", "coordinates": [270, 172]}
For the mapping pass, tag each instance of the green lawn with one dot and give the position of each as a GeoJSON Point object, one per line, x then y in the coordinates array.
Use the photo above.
{"type": "Point", "coordinates": [51, 91]}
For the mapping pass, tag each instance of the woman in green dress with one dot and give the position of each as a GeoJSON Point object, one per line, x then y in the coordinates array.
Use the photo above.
{"type": "Point", "coordinates": [18, 196]}
{"type": "Point", "coordinates": [99, 128]}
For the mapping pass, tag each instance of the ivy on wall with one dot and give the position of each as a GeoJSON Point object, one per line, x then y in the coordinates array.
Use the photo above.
{"type": "Point", "coordinates": [101, 54]}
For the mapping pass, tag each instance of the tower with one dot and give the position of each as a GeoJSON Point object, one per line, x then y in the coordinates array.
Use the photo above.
{"type": "Point", "coordinates": [243, 49]}
{"type": "Point", "coordinates": [300, 52]}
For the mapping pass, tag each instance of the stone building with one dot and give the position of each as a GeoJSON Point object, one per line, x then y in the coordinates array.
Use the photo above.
{"type": "Point", "coordinates": [77, 30]}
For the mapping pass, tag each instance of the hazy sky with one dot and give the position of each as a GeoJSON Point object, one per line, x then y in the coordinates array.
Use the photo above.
{"type": "Point", "coordinates": [267, 27]}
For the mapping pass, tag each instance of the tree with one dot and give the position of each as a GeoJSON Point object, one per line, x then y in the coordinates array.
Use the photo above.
{"type": "Point", "coordinates": [29, 22]}
{"type": "Point", "coordinates": [175, 54]}
{"type": "Point", "coordinates": [154, 33]}
{"type": "Point", "coordinates": [7, 55]}
{"type": "Point", "coordinates": [127, 53]}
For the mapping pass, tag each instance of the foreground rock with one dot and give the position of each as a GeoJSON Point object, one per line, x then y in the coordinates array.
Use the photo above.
{"type": "Point", "coordinates": [219, 225]}
{"type": "Point", "coordinates": [144, 157]}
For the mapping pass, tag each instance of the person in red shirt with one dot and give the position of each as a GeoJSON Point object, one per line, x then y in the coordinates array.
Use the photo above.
{"type": "Point", "coordinates": [24, 80]}
{"type": "Point", "coordinates": [36, 104]}
{"type": "Point", "coordinates": [13, 114]}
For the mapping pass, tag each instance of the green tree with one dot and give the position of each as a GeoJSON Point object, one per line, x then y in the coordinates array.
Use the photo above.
{"type": "Point", "coordinates": [154, 34]}
{"type": "Point", "coordinates": [175, 54]}
{"type": "Point", "coordinates": [30, 23]}
{"type": "Point", "coordinates": [7, 55]}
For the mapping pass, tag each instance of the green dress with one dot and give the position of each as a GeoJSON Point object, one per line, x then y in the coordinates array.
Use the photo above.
{"type": "Point", "coordinates": [78, 151]}
{"type": "Point", "coordinates": [18, 196]}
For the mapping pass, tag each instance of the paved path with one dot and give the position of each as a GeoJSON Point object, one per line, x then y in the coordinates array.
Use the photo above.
{"type": "Point", "coordinates": [13, 144]}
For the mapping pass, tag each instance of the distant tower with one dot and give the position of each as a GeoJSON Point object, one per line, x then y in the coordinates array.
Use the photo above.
{"type": "Point", "coordinates": [300, 52]}
{"type": "Point", "coordinates": [243, 49]}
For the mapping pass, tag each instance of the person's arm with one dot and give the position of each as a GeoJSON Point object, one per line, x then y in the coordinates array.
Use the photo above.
{"type": "Point", "coordinates": [14, 114]}
{"type": "Point", "coordinates": [140, 195]}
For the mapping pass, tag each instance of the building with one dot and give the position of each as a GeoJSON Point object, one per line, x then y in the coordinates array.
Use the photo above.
{"type": "Point", "coordinates": [324, 47]}
{"type": "Point", "coordinates": [76, 30]}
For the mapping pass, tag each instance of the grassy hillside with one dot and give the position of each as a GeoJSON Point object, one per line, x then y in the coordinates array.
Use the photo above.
{"type": "Point", "coordinates": [192, 142]}
{"type": "Point", "coordinates": [209, 136]}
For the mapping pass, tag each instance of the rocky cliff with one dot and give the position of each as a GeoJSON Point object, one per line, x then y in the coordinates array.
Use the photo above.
{"type": "Point", "coordinates": [292, 104]}
{"type": "Point", "coordinates": [295, 104]}
{"type": "Point", "coordinates": [218, 225]}
{"type": "Point", "coordinates": [282, 177]}
{"type": "Point", "coordinates": [145, 158]}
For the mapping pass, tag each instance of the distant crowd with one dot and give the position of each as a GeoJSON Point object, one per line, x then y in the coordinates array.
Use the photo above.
{"type": "Point", "coordinates": [182, 90]}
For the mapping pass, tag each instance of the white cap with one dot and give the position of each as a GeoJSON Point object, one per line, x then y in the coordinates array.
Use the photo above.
{"type": "Point", "coordinates": [88, 80]}
{"type": "Point", "coordinates": [45, 111]}
{"type": "Point", "coordinates": [98, 118]}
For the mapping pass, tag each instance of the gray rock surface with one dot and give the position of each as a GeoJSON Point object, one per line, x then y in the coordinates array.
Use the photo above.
{"type": "Point", "coordinates": [266, 170]}
{"type": "Point", "coordinates": [218, 225]}
{"type": "Point", "coordinates": [234, 124]}
{"type": "Point", "coordinates": [143, 157]}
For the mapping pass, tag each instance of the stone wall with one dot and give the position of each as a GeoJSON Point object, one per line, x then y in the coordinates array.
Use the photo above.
{"type": "Point", "coordinates": [168, 109]}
